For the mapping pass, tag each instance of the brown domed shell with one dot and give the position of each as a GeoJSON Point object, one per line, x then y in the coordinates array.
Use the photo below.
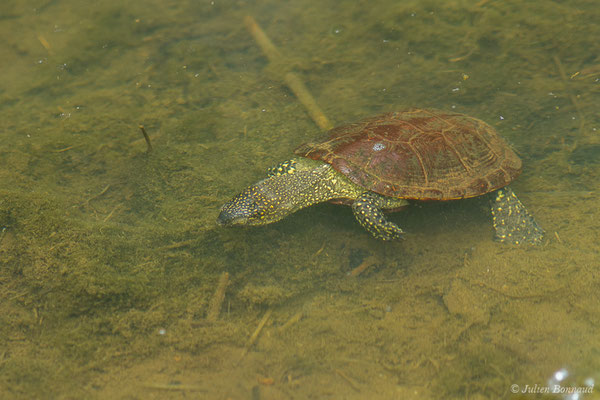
{"type": "Point", "coordinates": [420, 154]}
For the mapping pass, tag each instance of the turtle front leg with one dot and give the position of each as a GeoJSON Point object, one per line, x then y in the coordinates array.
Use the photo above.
{"type": "Point", "coordinates": [513, 223]}
{"type": "Point", "coordinates": [367, 210]}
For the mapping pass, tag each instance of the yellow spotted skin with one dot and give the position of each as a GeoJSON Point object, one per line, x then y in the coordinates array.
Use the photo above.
{"type": "Point", "coordinates": [286, 167]}
{"type": "Point", "coordinates": [367, 210]}
{"type": "Point", "coordinates": [512, 222]}
{"type": "Point", "coordinates": [301, 182]}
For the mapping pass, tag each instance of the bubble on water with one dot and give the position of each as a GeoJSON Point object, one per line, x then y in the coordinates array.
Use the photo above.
{"type": "Point", "coordinates": [561, 374]}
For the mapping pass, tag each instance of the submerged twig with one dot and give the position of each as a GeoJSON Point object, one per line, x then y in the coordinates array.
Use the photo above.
{"type": "Point", "coordinates": [64, 149]}
{"type": "Point", "coordinates": [262, 39]}
{"type": "Point", "coordinates": [254, 335]}
{"type": "Point", "coordinates": [2, 233]}
{"type": "Point", "coordinates": [174, 387]}
{"type": "Point", "coordinates": [350, 381]}
{"type": "Point", "coordinates": [99, 194]}
{"type": "Point", "coordinates": [111, 213]}
{"type": "Point", "coordinates": [300, 90]}
{"type": "Point", "coordinates": [291, 79]}
{"type": "Point", "coordinates": [294, 319]}
{"type": "Point", "coordinates": [557, 237]}
{"type": "Point", "coordinates": [363, 266]}
{"type": "Point", "coordinates": [214, 307]}
{"type": "Point", "coordinates": [45, 44]}
{"type": "Point", "coordinates": [146, 137]}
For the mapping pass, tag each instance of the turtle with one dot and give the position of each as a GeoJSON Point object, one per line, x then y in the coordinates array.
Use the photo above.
{"type": "Point", "coordinates": [387, 162]}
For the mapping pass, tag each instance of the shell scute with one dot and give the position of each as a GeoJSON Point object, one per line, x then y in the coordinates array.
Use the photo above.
{"type": "Point", "coordinates": [420, 154]}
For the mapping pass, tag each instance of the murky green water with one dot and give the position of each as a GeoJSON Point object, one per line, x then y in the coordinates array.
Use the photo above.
{"type": "Point", "coordinates": [110, 255]}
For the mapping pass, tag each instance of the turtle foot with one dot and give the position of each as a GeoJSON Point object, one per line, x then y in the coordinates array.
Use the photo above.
{"type": "Point", "coordinates": [367, 210]}
{"type": "Point", "coordinates": [513, 223]}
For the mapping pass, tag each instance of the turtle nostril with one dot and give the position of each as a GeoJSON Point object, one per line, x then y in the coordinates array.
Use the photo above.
{"type": "Point", "coordinates": [229, 216]}
{"type": "Point", "coordinates": [224, 217]}
{"type": "Point", "coordinates": [233, 214]}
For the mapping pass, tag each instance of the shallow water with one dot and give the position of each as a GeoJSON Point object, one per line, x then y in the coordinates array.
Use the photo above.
{"type": "Point", "coordinates": [110, 255]}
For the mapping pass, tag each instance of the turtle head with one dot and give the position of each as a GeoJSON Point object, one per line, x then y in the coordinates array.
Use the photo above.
{"type": "Point", "coordinates": [251, 207]}
{"type": "Point", "coordinates": [290, 186]}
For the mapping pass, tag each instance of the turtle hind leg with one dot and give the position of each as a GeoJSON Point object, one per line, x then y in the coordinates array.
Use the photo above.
{"type": "Point", "coordinates": [367, 210]}
{"type": "Point", "coordinates": [512, 222]}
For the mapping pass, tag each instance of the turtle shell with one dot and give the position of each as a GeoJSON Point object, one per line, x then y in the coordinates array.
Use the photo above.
{"type": "Point", "coordinates": [420, 154]}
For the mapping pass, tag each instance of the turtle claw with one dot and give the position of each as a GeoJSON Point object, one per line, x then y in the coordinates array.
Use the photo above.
{"type": "Point", "coordinates": [513, 223]}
